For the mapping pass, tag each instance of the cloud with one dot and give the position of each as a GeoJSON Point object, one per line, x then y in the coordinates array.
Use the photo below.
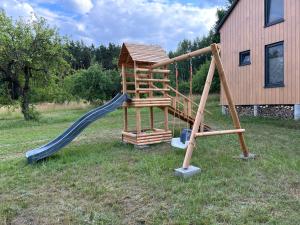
{"type": "Point", "coordinates": [159, 22]}
{"type": "Point", "coordinates": [16, 9]}
{"type": "Point", "coordinates": [162, 22]}
{"type": "Point", "coordinates": [81, 6]}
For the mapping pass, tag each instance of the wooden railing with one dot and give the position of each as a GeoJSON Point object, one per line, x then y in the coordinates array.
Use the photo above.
{"type": "Point", "coordinates": [143, 83]}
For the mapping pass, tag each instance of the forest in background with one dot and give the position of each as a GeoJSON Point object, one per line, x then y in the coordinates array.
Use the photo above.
{"type": "Point", "coordinates": [39, 65]}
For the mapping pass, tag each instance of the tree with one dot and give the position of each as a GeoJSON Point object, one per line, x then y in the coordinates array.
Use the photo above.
{"type": "Point", "coordinates": [94, 84]}
{"type": "Point", "coordinates": [30, 52]}
{"type": "Point", "coordinates": [106, 56]}
{"type": "Point", "coordinates": [80, 55]}
{"type": "Point", "coordinates": [186, 46]}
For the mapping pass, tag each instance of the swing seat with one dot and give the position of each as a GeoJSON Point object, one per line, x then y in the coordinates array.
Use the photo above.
{"type": "Point", "coordinates": [176, 143]}
{"type": "Point", "coordinates": [183, 141]}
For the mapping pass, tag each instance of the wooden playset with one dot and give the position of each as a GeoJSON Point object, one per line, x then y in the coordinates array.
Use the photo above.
{"type": "Point", "coordinates": [145, 77]}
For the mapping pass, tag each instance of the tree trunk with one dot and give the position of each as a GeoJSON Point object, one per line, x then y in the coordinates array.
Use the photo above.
{"type": "Point", "coordinates": [25, 96]}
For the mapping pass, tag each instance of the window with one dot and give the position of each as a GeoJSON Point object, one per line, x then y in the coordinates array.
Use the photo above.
{"type": "Point", "coordinates": [274, 10]}
{"type": "Point", "coordinates": [274, 65]}
{"type": "Point", "coordinates": [245, 58]}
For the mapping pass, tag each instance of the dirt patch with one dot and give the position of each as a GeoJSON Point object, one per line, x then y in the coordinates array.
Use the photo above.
{"type": "Point", "coordinates": [294, 190]}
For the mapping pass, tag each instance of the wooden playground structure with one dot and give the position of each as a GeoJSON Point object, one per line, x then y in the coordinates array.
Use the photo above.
{"type": "Point", "coordinates": [145, 77]}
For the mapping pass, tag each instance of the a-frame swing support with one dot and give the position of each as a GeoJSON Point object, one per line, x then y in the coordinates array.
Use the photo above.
{"type": "Point", "coordinates": [216, 63]}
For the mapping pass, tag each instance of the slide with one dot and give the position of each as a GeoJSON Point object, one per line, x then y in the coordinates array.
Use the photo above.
{"type": "Point", "coordinates": [73, 131]}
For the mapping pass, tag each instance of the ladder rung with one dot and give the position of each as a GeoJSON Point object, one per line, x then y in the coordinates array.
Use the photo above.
{"type": "Point", "coordinates": [152, 89]}
{"type": "Point", "coordinates": [133, 92]}
{"type": "Point", "coordinates": [211, 133]}
{"type": "Point", "coordinates": [153, 80]}
{"type": "Point", "coordinates": [133, 83]}
{"type": "Point", "coordinates": [153, 71]}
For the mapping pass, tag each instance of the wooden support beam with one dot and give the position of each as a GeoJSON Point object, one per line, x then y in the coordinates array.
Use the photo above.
{"type": "Point", "coordinates": [211, 133]}
{"type": "Point", "coordinates": [229, 98]}
{"type": "Point", "coordinates": [181, 57]}
{"type": "Point", "coordinates": [199, 115]}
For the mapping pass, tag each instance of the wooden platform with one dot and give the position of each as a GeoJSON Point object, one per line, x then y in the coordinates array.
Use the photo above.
{"type": "Point", "coordinates": [146, 138]}
{"type": "Point", "coordinates": [148, 102]}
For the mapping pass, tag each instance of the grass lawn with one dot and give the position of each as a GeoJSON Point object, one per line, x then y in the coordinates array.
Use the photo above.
{"type": "Point", "coordinates": [98, 180]}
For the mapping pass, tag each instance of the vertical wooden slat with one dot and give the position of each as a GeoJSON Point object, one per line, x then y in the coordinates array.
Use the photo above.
{"type": "Point", "coordinates": [137, 95]}
{"type": "Point", "coordinates": [125, 119]}
{"type": "Point", "coordinates": [166, 112]}
{"type": "Point", "coordinates": [124, 91]}
{"type": "Point", "coordinates": [124, 79]}
{"type": "Point", "coordinates": [151, 118]}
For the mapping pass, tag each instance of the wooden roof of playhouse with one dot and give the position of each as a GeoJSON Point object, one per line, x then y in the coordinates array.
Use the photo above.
{"type": "Point", "coordinates": [148, 54]}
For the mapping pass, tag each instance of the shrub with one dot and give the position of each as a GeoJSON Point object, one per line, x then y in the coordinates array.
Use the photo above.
{"type": "Point", "coordinates": [200, 78]}
{"type": "Point", "coordinates": [94, 84]}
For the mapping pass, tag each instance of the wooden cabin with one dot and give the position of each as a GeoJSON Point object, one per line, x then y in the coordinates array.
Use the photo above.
{"type": "Point", "coordinates": [260, 42]}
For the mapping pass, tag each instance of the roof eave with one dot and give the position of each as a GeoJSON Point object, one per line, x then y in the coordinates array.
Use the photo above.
{"type": "Point", "coordinates": [219, 26]}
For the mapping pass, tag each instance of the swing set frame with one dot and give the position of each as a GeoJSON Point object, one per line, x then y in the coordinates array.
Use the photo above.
{"type": "Point", "coordinates": [216, 63]}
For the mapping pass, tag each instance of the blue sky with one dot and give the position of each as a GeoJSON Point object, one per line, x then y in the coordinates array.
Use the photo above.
{"type": "Point", "coordinates": [162, 22]}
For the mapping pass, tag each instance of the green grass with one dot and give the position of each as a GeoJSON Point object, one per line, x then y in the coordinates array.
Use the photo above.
{"type": "Point", "coordinates": [99, 180]}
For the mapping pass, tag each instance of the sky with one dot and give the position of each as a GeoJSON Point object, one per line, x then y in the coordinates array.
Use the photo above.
{"type": "Point", "coordinates": [162, 22]}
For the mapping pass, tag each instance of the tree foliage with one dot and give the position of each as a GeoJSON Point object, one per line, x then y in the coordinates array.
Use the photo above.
{"type": "Point", "coordinates": [83, 56]}
{"type": "Point", "coordinates": [186, 46]}
{"type": "Point", "coordinates": [94, 84]}
{"type": "Point", "coordinates": [30, 53]}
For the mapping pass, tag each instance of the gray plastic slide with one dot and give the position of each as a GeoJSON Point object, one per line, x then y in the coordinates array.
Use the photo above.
{"type": "Point", "coordinates": [73, 131]}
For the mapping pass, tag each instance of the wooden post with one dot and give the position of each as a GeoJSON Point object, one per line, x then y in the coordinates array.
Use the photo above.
{"type": "Point", "coordinates": [182, 57]}
{"type": "Point", "coordinates": [124, 91]}
{"type": "Point", "coordinates": [199, 115]}
{"type": "Point", "coordinates": [165, 86]}
{"type": "Point", "coordinates": [125, 119]}
{"type": "Point", "coordinates": [151, 96]}
{"type": "Point", "coordinates": [124, 79]}
{"type": "Point", "coordinates": [191, 89]}
{"type": "Point", "coordinates": [151, 118]}
{"type": "Point", "coordinates": [227, 92]}
{"type": "Point", "coordinates": [137, 95]}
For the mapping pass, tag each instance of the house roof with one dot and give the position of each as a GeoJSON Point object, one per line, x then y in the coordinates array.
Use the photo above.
{"type": "Point", "coordinates": [148, 54]}
{"type": "Point", "coordinates": [234, 4]}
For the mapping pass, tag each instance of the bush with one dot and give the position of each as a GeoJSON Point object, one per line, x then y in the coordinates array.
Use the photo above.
{"type": "Point", "coordinates": [200, 78]}
{"type": "Point", "coordinates": [94, 84]}
{"type": "Point", "coordinates": [5, 97]}
{"type": "Point", "coordinates": [53, 91]}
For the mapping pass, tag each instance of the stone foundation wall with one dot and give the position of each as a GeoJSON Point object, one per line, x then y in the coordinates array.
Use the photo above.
{"type": "Point", "coordinates": [273, 111]}
{"type": "Point", "coordinates": [278, 111]}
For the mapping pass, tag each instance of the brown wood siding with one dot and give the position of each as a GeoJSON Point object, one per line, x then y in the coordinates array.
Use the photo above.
{"type": "Point", "coordinates": [244, 30]}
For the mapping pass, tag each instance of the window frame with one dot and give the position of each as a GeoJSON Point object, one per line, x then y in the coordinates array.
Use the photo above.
{"type": "Point", "coordinates": [241, 55]}
{"type": "Point", "coordinates": [267, 12]}
{"type": "Point", "coordinates": [267, 83]}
